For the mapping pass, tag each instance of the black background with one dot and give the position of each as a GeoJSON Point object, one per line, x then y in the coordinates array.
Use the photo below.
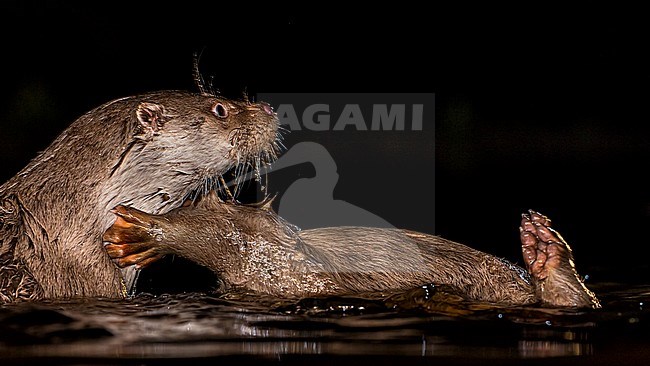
{"type": "Point", "coordinates": [542, 108]}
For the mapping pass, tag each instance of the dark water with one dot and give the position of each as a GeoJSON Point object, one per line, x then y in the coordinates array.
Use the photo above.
{"type": "Point", "coordinates": [422, 326]}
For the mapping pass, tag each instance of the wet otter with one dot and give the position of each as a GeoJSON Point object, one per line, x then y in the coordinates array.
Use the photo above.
{"type": "Point", "coordinates": [255, 249]}
{"type": "Point", "coordinates": [150, 152]}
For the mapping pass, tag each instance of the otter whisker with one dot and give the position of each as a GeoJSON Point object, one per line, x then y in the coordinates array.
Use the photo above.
{"type": "Point", "coordinates": [256, 166]}
{"type": "Point", "coordinates": [211, 87]}
{"type": "Point", "coordinates": [238, 174]}
{"type": "Point", "coordinates": [266, 183]}
{"type": "Point", "coordinates": [260, 159]}
{"type": "Point", "coordinates": [243, 173]}
{"type": "Point", "coordinates": [225, 188]}
{"type": "Point", "coordinates": [205, 89]}
{"type": "Point", "coordinates": [207, 185]}
{"type": "Point", "coordinates": [196, 73]}
{"type": "Point", "coordinates": [278, 145]}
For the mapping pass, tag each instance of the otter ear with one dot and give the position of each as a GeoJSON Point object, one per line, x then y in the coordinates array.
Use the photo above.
{"type": "Point", "coordinates": [152, 118]}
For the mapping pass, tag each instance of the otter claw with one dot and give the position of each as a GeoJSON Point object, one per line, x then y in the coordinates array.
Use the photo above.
{"type": "Point", "coordinates": [131, 216]}
{"type": "Point", "coordinates": [539, 218]}
{"type": "Point", "coordinates": [140, 260]}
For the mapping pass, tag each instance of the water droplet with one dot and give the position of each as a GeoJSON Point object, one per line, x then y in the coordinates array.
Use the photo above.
{"type": "Point", "coordinates": [500, 316]}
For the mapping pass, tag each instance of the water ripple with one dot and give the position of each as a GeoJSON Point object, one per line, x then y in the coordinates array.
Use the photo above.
{"type": "Point", "coordinates": [411, 323]}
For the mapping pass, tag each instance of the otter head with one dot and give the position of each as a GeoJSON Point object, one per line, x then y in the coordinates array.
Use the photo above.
{"type": "Point", "coordinates": [182, 143]}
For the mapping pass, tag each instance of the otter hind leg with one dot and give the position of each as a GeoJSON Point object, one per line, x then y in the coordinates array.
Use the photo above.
{"type": "Point", "coordinates": [549, 261]}
{"type": "Point", "coordinates": [131, 240]}
{"type": "Point", "coordinates": [16, 281]}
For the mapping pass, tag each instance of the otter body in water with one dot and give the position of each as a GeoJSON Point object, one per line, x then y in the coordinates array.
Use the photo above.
{"type": "Point", "coordinates": [150, 152]}
{"type": "Point", "coordinates": [254, 249]}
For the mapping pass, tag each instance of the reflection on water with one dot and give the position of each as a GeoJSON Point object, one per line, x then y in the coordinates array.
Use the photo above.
{"type": "Point", "coordinates": [416, 323]}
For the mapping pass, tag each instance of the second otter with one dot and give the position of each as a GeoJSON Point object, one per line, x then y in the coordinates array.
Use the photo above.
{"type": "Point", "coordinates": [255, 249]}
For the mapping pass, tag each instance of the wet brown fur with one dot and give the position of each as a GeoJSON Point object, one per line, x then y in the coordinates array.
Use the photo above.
{"type": "Point", "coordinates": [150, 152]}
{"type": "Point", "coordinates": [255, 249]}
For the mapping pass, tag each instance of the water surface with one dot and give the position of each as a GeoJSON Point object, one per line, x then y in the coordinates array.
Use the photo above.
{"type": "Point", "coordinates": [421, 325]}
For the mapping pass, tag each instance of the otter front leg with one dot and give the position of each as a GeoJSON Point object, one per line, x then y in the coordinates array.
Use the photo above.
{"type": "Point", "coordinates": [550, 262]}
{"type": "Point", "coordinates": [140, 239]}
{"type": "Point", "coordinates": [134, 238]}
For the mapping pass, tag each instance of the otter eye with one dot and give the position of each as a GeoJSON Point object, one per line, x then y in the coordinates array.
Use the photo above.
{"type": "Point", "coordinates": [220, 110]}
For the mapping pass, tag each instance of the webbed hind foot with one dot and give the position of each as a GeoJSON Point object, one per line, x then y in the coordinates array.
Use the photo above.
{"type": "Point", "coordinates": [549, 260]}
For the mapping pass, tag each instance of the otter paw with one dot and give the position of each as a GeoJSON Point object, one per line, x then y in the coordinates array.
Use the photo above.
{"type": "Point", "coordinates": [543, 248]}
{"type": "Point", "coordinates": [550, 262]}
{"type": "Point", "coordinates": [133, 239]}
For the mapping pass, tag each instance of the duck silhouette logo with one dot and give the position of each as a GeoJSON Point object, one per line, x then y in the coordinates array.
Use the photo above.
{"type": "Point", "coordinates": [309, 202]}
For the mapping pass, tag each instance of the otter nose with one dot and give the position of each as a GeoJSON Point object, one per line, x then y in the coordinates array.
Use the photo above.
{"type": "Point", "coordinates": [267, 108]}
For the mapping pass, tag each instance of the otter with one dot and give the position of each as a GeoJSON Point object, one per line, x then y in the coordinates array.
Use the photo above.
{"type": "Point", "coordinates": [151, 152]}
{"type": "Point", "coordinates": [254, 249]}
